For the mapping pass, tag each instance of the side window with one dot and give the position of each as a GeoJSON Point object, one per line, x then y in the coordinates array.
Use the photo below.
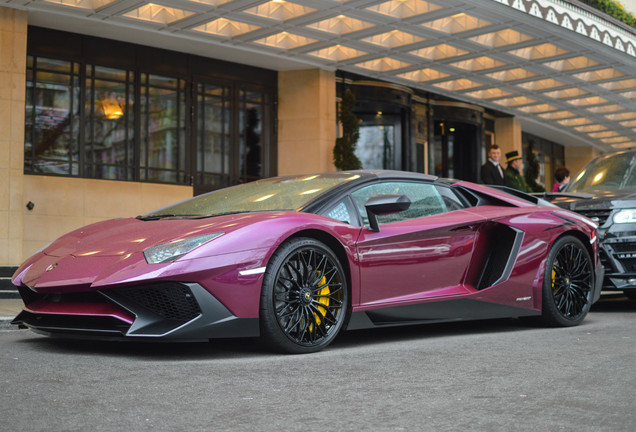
{"type": "Point", "coordinates": [343, 211]}
{"type": "Point", "coordinates": [426, 200]}
{"type": "Point", "coordinates": [451, 200]}
{"type": "Point", "coordinates": [340, 213]}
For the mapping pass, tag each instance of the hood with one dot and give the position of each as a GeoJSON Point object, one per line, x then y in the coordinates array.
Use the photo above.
{"type": "Point", "coordinates": [90, 255]}
{"type": "Point", "coordinates": [600, 200]}
{"type": "Point", "coordinates": [119, 237]}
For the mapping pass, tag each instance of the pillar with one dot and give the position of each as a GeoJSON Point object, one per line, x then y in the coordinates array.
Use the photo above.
{"type": "Point", "coordinates": [508, 136]}
{"type": "Point", "coordinates": [307, 121]}
{"type": "Point", "coordinates": [13, 40]}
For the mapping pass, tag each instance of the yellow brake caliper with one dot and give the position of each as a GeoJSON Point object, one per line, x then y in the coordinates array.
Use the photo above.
{"type": "Point", "coordinates": [323, 299]}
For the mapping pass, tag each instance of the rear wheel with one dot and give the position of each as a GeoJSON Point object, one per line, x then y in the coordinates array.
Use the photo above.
{"type": "Point", "coordinates": [304, 298]}
{"type": "Point", "coordinates": [567, 283]}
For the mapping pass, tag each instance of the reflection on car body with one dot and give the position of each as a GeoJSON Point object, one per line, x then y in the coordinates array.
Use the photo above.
{"type": "Point", "coordinates": [298, 259]}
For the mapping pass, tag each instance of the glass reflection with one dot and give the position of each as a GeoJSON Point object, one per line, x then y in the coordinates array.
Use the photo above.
{"type": "Point", "coordinates": [251, 139]}
{"type": "Point", "coordinates": [51, 117]}
{"type": "Point", "coordinates": [162, 153]}
{"type": "Point", "coordinates": [110, 127]}
{"type": "Point", "coordinates": [213, 135]}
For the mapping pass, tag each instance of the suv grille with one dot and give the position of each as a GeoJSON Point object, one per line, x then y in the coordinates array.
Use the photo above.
{"type": "Point", "coordinates": [598, 216]}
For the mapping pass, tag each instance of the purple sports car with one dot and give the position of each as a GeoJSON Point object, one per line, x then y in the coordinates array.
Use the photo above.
{"type": "Point", "coordinates": [296, 260]}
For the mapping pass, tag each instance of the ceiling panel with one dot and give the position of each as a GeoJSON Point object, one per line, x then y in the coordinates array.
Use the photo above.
{"type": "Point", "coordinates": [564, 71]}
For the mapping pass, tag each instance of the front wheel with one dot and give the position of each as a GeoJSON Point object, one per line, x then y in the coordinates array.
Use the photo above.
{"type": "Point", "coordinates": [567, 283]}
{"type": "Point", "coordinates": [304, 299]}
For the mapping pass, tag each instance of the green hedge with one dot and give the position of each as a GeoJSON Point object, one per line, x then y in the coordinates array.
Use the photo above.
{"type": "Point", "coordinates": [613, 9]}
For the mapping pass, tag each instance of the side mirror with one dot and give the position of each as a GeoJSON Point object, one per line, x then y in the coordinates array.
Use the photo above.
{"type": "Point", "coordinates": [379, 205]}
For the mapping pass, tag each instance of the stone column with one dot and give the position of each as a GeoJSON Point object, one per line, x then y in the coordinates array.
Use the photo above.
{"type": "Point", "coordinates": [306, 121]}
{"type": "Point", "coordinates": [508, 136]}
{"type": "Point", "coordinates": [13, 38]}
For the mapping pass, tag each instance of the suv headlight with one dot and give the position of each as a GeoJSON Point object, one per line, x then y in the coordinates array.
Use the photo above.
{"type": "Point", "coordinates": [171, 251]}
{"type": "Point", "coordinates": [625, 216]}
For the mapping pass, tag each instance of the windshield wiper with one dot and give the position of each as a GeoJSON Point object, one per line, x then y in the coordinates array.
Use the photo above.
{"type": "Point", "coordinates": [153, 217]}
{"type": "Point", "coordinates": [162, 216]}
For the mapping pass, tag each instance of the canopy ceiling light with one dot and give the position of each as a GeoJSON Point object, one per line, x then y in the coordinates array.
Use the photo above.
{"type": "Point", "coordinates": [563, 69]}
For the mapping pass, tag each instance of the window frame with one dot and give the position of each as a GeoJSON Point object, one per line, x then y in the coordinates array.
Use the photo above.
{"type": "Point", "coordinates": [347, 199]}
{"type": "Point", "coordinates": [91, 52]}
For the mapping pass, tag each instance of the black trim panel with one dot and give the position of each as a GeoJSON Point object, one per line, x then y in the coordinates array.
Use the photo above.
{"type": "Point", "coordinates": [434, 312]}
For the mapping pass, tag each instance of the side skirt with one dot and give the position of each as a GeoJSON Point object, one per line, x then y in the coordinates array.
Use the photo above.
{"type": "Point", "coordinates": [435, 312]}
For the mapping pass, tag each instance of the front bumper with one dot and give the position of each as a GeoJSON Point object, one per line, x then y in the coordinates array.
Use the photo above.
{"type": "Point", "coordinates": [618, 256]}
{"type": "Point", "coordinates": [166, 311]}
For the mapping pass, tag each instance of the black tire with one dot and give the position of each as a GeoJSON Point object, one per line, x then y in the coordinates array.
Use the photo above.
{"type": "Point", "coordinates": [304, 300]}
{"type": "Point", "coordinates": [567, 283]}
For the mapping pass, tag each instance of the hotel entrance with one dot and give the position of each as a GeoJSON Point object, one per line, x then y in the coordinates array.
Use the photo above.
{"type": "Point", "coordinates": [456, 140]}
{"type": "Point", "coordinates": [454, 150]}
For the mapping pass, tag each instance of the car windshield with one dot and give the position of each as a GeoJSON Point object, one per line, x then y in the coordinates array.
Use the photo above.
{"type": "Point", "coordinates": [614, 172]}
{"type": "Point", "coordinates": [277, 193]}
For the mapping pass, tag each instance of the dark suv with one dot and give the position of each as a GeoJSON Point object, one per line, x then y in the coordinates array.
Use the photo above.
{"type": "Point", "coordinates": [605, 191]}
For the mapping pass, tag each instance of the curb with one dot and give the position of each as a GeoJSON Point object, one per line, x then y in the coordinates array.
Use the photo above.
{"type": "Point", "coordinates": [9, 308]}
{"type": "Point", "coordinates": [6, 324]}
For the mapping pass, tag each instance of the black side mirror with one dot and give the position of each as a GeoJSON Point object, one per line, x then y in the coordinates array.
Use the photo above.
{"type": "Point", "coordinates": [379, 205]}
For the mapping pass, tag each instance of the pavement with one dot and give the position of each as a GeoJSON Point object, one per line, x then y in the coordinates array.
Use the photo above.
{"type": "Point", "coordinates": [9, 308]}
{"type": "Point", "coordinates": [478, 376]}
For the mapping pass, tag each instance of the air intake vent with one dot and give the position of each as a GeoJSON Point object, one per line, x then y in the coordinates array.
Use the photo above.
{"type": "Point", "coordinates": [502, 243]}
{"type": "Point", "coordinates": [171, 301]}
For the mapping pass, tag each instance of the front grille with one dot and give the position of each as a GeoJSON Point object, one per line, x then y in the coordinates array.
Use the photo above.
{"type": "Point", "coordinates": [629, 264]}
{"type": "Point", "coordinates": [171, 301]}
{"type": "Point", "coordinates": [605, 262]}
{"type": "Point", "coordinates": [73, 323]}
{"type": "Point", "coordinates": [598, 215]}
{"type": "Point", "coordinates": [624, 247]}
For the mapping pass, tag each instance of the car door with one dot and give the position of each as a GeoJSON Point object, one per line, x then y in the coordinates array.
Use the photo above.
{"type": "Point", "coordinates": [421, 252]}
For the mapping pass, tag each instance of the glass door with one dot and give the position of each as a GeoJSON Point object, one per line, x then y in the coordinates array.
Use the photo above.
{"type": "Point", "coordinates": [453, 151]}
{"type": "Point", "coordinates": [380, 143]}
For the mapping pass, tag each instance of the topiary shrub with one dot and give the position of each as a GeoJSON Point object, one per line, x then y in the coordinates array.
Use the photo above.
{"type": "Point", "coordinates": [344, 157]}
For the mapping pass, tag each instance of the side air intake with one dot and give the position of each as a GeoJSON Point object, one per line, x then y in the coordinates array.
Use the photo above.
{"type": "Point", "coordinates": [502, 244]}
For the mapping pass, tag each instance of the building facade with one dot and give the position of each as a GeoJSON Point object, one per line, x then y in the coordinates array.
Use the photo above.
{"type": "Point", "coordinates": [96, 128]}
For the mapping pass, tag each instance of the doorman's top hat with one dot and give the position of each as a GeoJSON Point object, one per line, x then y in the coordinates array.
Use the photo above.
{"type": "Point", "coordinates": [513, 155]}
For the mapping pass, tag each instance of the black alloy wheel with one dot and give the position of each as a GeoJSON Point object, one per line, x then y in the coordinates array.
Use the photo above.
{"type": "Point", "coordinates": [304, 299]}
{"type": "Point", "coordinates": [567, 284]}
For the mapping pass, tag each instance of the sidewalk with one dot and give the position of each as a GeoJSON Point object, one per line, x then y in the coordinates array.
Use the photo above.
{"type": "Point", "coordinates": [9, 308]}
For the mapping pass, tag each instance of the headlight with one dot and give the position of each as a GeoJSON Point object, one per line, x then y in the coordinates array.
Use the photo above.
{"type": "Point", "coordinates": [625, 216]}
{"type": "Point", "coordinates": [171, 251]}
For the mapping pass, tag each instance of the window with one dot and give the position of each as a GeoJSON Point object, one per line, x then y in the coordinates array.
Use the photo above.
{"type": "Point", "coordinates": [251, 125]}
{"type": "Point", "coordinates": [109, 127]}
{"type": "Point", "coordinates": [162, 134]}
{"type": "Point", "coordinates": [213, 136]}
{"type": "Point", "coordinates": [343, 211]}
{"type": "Point", "coordinates": [426, 200]}
{"type": "Point", "coordinates": [451, 200]}
{"type": "Point", "coordinates": [133, 113]}
{"type": "Point", "coordinates": [52, 117]}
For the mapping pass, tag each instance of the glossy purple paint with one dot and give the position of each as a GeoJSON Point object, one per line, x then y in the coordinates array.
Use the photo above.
{"type": "Point", "coordinates": [416, 261]}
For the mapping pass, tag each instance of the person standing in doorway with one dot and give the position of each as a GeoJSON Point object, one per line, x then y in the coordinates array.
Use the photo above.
{"type": "Point", "coordinates": [491, 171]}
{"type": "Point", "coordinates": [562, 175]}
{"type": "Point", "coordinates": [514, 177]}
